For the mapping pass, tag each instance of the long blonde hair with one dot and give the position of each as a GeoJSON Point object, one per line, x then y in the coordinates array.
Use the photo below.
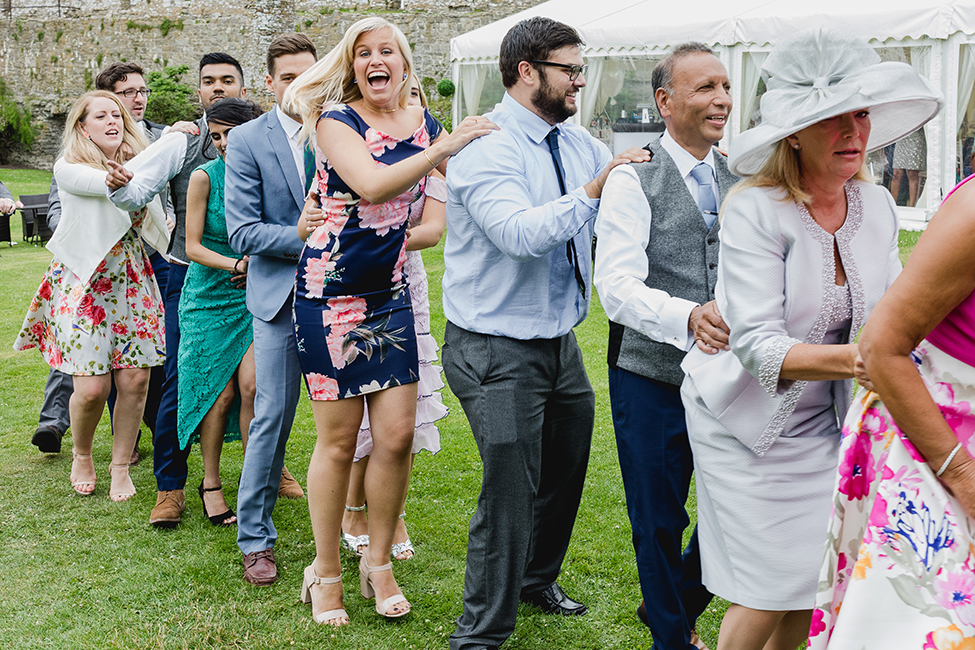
{"type": "Point", "coordinates": [782, 171]}
{"type": "Point", "coordinates": [332, 79]}
{"type": "Point", "coordinates": [79, 149]}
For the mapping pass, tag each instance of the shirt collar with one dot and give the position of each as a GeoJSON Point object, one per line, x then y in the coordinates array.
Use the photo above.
{"type": "Point", "coordinates": [288, 123]}
{"type": "Point", "coordinates": [534, 126]}
{"type": "Point", "coordinates": [684, 159]}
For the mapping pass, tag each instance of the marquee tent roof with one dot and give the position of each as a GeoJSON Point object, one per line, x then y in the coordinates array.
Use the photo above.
{"type": "Point", "coordinates": [625, 26]}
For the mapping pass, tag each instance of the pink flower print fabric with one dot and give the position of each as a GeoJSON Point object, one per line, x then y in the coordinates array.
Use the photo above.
{"type": "Point", "coordinates": [899, 568]}
{"type": "Point", "coordinates": [112, 321]}
{"type": "Point", "coordinates": [352, 312]}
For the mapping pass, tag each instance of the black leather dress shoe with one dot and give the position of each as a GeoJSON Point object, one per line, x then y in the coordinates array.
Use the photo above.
{"type": "Point", "coordinates": [47, 439]}
{"type": "Point", "coordinates": [553, 600]}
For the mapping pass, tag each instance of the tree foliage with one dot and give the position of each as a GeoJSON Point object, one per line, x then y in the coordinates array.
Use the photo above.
{"type": "Point", "coordinates": [15, 121]}
{"type": "Point", "coordinates": [171, 99]}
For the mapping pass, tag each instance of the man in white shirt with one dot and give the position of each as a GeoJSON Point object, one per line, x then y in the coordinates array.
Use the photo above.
{"type": "Point", "coordinates": [268, 174]}
{"type": "Point", "coordinates": [655, 277]}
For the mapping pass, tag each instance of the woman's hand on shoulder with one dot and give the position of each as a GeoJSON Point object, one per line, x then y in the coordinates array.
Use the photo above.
{"type": "Point", "coordinates": [471, 128]}
{"type": "Point", "coordinates": [311, 216]}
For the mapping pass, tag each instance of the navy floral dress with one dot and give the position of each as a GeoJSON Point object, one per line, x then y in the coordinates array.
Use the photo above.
{"type": "Point", "coordinates": [352, 314]}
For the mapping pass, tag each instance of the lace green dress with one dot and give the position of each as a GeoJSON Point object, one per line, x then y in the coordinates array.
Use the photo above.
{"type": "Point", "coordinates": [215, 326]}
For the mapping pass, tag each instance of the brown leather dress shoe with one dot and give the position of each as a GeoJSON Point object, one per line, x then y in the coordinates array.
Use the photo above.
{"type": "Point", "coordinates": [260, 568]}
{"type": "Point", "coordinates": [290, 488]}
{"type": "Point", "coordinates": [168, 509]}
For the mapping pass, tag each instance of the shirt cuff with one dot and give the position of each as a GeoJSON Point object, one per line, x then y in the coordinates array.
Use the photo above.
{"type": "Point", "coordinates": [580, 195]}
{"type": "Point", "coordinates": [674, 316]}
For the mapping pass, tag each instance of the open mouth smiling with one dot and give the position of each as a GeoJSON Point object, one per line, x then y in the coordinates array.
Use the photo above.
{"type": "Point", "coordinates": [378, 79]}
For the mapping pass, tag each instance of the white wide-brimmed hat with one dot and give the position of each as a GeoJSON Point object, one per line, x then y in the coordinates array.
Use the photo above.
{"type": "Point", "coordinates": [821, 73]}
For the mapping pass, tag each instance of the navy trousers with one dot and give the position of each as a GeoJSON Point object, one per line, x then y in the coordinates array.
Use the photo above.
{"type": "Point", "coordinates": [169, 461]}
{"type": "Point", "coordinates": [656, 463]}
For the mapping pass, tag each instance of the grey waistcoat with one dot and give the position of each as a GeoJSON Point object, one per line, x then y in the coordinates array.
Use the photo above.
{"type": "Point", "coordinates": [682, 254]}
{"type": "Point", "coordinates": [199, 149]}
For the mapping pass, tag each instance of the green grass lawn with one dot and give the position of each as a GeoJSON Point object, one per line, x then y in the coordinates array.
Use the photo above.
{"type": "Point", "coordinates": [88, 573]}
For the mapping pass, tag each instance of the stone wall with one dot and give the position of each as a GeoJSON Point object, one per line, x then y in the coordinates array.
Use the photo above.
{"type": "Point", "coordinates": [51, 54]}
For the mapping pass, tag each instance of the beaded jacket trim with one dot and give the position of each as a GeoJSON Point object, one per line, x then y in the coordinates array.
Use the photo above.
{"type": "Point", "coordinates": [829, 312]}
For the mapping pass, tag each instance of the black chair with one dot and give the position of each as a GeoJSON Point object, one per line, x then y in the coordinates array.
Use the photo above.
{"type": "Point", "coordinates": [5, 228]}
{"type": "Point", "coordinates": [34, 218]}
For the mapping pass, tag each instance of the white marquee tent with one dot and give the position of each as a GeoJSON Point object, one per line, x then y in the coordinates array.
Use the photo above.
{"type": "Point", "coordinates": [625, 38]}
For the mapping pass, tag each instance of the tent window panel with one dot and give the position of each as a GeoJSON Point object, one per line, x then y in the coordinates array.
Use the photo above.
{"type": "Point", "coordinates": [480, 88]}
{"type": "Point", "coordinates": [965, 116]}
{"type": "Point", "coordinates": [619, 107]}
{"type": "Point", "coordinates": [902, 167]}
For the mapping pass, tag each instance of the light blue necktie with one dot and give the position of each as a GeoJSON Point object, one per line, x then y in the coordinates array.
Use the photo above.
{"type": "Point", "coordinates": [706, 201]}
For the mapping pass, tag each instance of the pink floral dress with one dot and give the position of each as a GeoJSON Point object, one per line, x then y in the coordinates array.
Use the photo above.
{"type": "Point", "coordinates": [429, 402]}
{"type": "Point", "coordinates": [899, 568]}
{"type": "Point", "coordinates": [113, 320]}
{"type": "Point", "coordinates": [352, 311]}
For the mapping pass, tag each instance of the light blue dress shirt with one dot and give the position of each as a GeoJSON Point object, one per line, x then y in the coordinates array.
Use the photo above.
{"type": "Point", "coordinates": [507, 273]}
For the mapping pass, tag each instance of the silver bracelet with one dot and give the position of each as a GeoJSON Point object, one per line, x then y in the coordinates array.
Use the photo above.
{"type": "Point", "coordinates": [948, 460]}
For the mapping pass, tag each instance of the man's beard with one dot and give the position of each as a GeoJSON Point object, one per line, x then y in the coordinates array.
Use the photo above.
{"type": "Point", "coordinates": [550, 104]}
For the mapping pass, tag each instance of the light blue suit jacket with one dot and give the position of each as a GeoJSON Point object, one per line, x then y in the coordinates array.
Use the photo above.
{"type": "Point", "coordinates": [263, 198]}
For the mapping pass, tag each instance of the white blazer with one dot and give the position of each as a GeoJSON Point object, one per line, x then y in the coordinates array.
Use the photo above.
{"type": "Point", "coordinates": [91, 224]}
{"type": "Point", "coordinates": [775, 268]}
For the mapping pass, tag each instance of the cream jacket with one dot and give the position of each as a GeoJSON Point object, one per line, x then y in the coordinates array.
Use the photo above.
{"type": "Point", "coordinates": [91, 224]}
{"type": "Point", "coordinates": [774, 272]}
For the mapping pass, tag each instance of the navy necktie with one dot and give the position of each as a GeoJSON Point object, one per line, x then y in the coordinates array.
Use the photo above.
{"type": "Point", "coordinates": [570, 246]}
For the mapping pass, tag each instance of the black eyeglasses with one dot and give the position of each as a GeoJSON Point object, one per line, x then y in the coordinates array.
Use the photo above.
{"type": "Point", "coordinates": [129, 93]}
{"type": "Point", "coordinates": [573, 70]}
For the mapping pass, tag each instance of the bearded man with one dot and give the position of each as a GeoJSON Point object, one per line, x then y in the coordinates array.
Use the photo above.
{"type": "Point", "coordinates": [520, 210]}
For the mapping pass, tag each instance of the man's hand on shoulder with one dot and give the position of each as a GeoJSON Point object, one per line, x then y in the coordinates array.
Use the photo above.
{"type": "Point", "coordinates": [594, 188]}
{"type": "Point", "coordinates": [709, 329]}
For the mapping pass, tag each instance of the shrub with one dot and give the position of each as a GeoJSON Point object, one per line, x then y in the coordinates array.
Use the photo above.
{"type": "Point", "coordinates": [15, 122]}
{"type": "Point", "coordinates": [171, 99]}
{"type": "Point", "coordinates": [445, 88]}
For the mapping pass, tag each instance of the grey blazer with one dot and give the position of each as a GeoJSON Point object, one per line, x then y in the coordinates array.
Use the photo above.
{"type": "Point", "coordinates": [775, 268]}
{"type": "Point", "coordinates": [263, 197]}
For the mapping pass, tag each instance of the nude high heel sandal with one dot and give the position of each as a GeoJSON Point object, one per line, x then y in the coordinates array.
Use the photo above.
{"type": "Point", "coordinates": [334, 617]}
{"type": "Point", "coordinates": [368, 591]}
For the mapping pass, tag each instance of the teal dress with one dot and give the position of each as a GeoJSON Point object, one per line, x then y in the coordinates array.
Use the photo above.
{"type": "Point", "coordinates": [215, 326]}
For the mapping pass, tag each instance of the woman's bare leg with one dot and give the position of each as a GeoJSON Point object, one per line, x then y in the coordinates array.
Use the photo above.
{"type": "Point", "coordinates": [400, 535]}
{"type": "Point", "coordinates": [744, 628]}
{"type": "Point", "coordinates": [337, 424]}
{"type": "Point", "coordinates": [792, 631]}
{"type": "Point", "coordinates": [212, 429]}
{"type": "Point", "coordinates": [356, 523]}
{"type": "Point", "coordinates": [913, 183]}
{"type": "Point", "coordinates": [85, 408]}
{"type": "Point", "coordinates": [247, 385]}
{"type": "Point", "coordinates": [392, 415]}
{"type": "Point", "coordinates": [132, 385]}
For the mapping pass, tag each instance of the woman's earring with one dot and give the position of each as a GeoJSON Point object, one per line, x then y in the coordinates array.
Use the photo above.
{"type": "Point", "coordinates": [404, 76]}
{"type": "Point", "coordinates": [355, 80]}
{"type": "Point", "coordinates": [796, 146]}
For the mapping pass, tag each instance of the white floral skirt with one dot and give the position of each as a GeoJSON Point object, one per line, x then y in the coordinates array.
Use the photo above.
{"type": "Point", "coordinates": [899, 568]}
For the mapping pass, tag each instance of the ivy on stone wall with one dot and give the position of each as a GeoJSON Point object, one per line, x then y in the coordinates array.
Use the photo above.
{"type": "Point", "coordinates": [171, 99]}
{"type": "Point", "coordinates": [15, 123]}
